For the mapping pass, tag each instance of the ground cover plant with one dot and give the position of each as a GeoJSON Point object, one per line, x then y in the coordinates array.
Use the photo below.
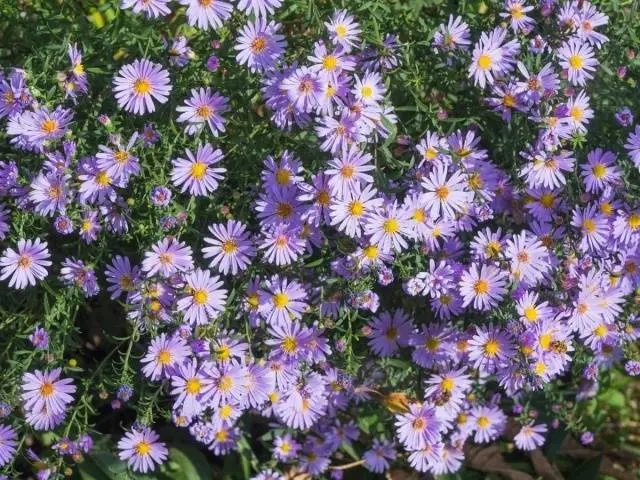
{"type": "Point", "coordinates": [278, 239]}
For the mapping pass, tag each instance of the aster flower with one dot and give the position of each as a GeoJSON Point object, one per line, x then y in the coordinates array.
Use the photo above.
{"type": "Point", "coordinates": [578, 59]}
{"type": "Point", "coordinates": [203, 107]}
{"type": "Point", "coordinates": [339, 135]}
{"type": "Point", "coordinates": [492, 57]}
{"type": "Point", "coordinates": [283, 300]}
{"type": "Point", "coordinates": [119, 164]}
{"type": "Point", "coordinates": [388, 228]}
{"type": "Point", "coordinates": [47, 391]}
{"type": "Point", "coordinates": [536, 86]}
{"type": "Point", "coordinates": [446, 196]}
{"type": "Point", "coordinates": [50, 193]}
{"type": "Point", "coordinates": [167, 257]}
{"type": "Point", "coordinates": [302, 87]}
{"type": "Point", "coordinates": [8, 444]}
{"type": "Point", "coordinates": [389, 332]}
{"type": "Point", "coordinates": [633, 146]}
{"type": "Point", "coordinates": [377, 458]}
{"type": "Point", "coordinates": [228, 384]}
{"type": "Point", "coordinates": [588, 19]}
{"type": "Point", "coordinates": [75, 272]}
{"type": "Point", "coordinates": [279, 206]}
{"type": "Point", "coordinates": [164, 354]}
{"type": "Point", "coordinates": [188, 385]}
{"type": "Point", "coordinates": [283, 243]}
{"type": "Point", "coordinates": [259, 45]}
{"type": "Point", "coordinates": [594, 227]}
{"type": "Point", "coordinates": [142, 450]}
{"type": "Point", "coordinates": [26, 265]}
{"type": "Point", "coordinates": [485, 286]}
{"type": "Point", "coordinates": [205, 299]}
{"type": "Point", "coordinates": [455, 35]}
{"type": "Point", "coordinates": [283, 173]}
{"type": "Point", "coordinates": [40, 126]}
{"type": "Point", "coordinates": [490, 347]}
{"type": "Point", "coordinates": [348, 170]}
{"type": "Point", "coordinates": [303, 403]}
{"type": "Point", "coordinates": [138, 84]}
{"type": "Point", "coordinates": [15, 96]}
{"type": "Point", "coordinates": [343, 30]}
{"type": "Point", "coordinates": [350, 213]}
{"type": "Point", "coordinates": [39, 338]}
{"type": "Point", "coordinates": [207, 14]}
{"type": "Point", "coordinates": [624, 117]}
{"type": "Point", "coordinates": [197, 174]}
{"type": "Point", "coordinates": [90, 226]}
{"type": "Point", "coordinates": [75, 80]}
{"type": "Point", "coordinates": [369, 89]}
{"type": "Point", "coordinates": [260, 8]}
{"type": "Point", "coordinates": [516, 12]}
{"type": "Point", "coordinates": [529, 258]}
{"type": "Point", "coordinates": [547, 169]}
{"type": "Point", "coordinates": [600, 171]}
{"type": "Point", "coordinates": [579, 111]}
{"type": "Point", "coordinates": [418, 427]}
{"type": "Point", "coordinates": [151, 8]}
{"type": "Point", "coordinates": [231, 248]}
{"type": "Point", "coordinates": [489, 423]}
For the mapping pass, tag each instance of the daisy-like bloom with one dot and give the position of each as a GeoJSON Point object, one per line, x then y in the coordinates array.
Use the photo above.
{"type": "Point", "coordinates": [119, 164]}
{"type": "Point", "coordinates": [203, 107]}
{"type": "Point", "coordinates": [446, 196]}
{"type": "Point", "coordinates": [377, 458]}
{"type": "Point", "coordinates": [139, 83]}
{"type": "Point", "coordinates": [259, 45]}
{"type": "Point", "coordinates": [547, 169]}
{"type": "Point", "coordinates": [47, 391]}
{"type": "Point", "coordinates": [188, 385]}
{"type": "Point", "coordinates": [90, 226]}
{"type": "Point", "coordinates": [491, 57]}
{"type": "Point", "coordinates": [39, 338]}
{"type": "Point", "coordinates": [167, 257]}
{"type": "Point", "coordinates": [303, 403]}
{"type": "Point", "coordinates": [633, 146]}
{"type": "Point", "coordinates": [388, 228]}
{"type": "Point", "coordinates": [624, 117]}
{"type": "Point", "coordinates": [283, 300]}
{"type": "Point", "coordinates": [536, 86]}
{"type": "Point", "coordinates": [530, 310]}
{"type": "Point", "coordinates": [530, 436]}
{"type": "Point", "coordinates": [348, 170]}
{"type": "Point", "coordinates": [317, 198]}
{"type": "Point", "coordinates": [589, 18]}
{"type": "Point", "coordinates": [40, 126]}
{"type": "Point", "coordinates": [231, 248]}
{"type": "Point", "coordinates": [529, 257]}
{"type": "Point", "coordinates": [8, 444]}
{"type": "Point", "coordinates": [74, 81]}
{"type": "Point", "coordinates": [283, 243]}
{"type": "Point", "coordinates": [75, 272]}
{"type": "Point", "coordinates": [260, 8]}
{"type": "Point", "coordinates": [600, 171]}
{"type": "Point", "coordinates": [489, 347]}
{"type": "Point", "coordinates": [164, 355]}
{"type": "Point", "coordinates": [626, 227]}
{"type": "Point", "coordinates": [196, 173]}
{"type": "Point", "coordinates": [283, 173]}
{"type": "Point", "coordinates": [419, 427]}
{"type": "Point", "coordinates": [389, 332]}
{"type": "Point", "coordinates": [339, 135]}
{"type": "Point", "coordinates": [424, 459]}
{"type": "Point", "coordinates": [25, 265]}
{"type": "Point", "coordinates": [260, 382]}
{"type": "Point", "coordinates": [151, 8]}
{"type": "Point", "coordinates": [205, 299]}
{"type": "Point", "coordinates": [330, 62]}
{"type": "Point", "coordinates": [455, 35]}
{"type": "Point", "coordinates": [50, 193]}
{"type": "Point", "coordinates": [487, 245]}
{"type": "Point", "coordinates": [303, 88]}
{"type": "Point", "coordinates": [289, 341]}
{"type": "Point", "coordinates": [577, 58]}
{"type": "Point", "coordinates": [179, 51]}
{"type": "Point", "coordinates": [149, 135]}
{"type": "Point", "coordinates": [369, 90]}
{"type": "Point", "coordinates": [349, 214]}
{"type": "Point", "coordinates": [278, 206]}
{"type": "Point", "coordinates": [343, 30]}
{"type": "Point", "coordinates": [489, 423]}
{"type": "Point", "coordinates": [228, 384]}
{"type": "Point", "coordinates": [207, 14]}
{"type": "Point", "coordinates": [593, 225]}
{"type": "Point", "coordinates": [121, 276]}
{"type": "Point", "coordinates": [14, 94]}
{"type": "Point", "coordinates": [142, 450]}
{"type": "Point", "coordinates": [285, 447]}
{"type": "Point", "coordinates": [483, 286]}
{"type": "Point", "coordinates": [579, 112]}
{"type": "Point", "coordinates": [516, 12]}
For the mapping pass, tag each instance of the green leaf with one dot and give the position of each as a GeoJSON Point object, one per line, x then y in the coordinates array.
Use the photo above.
{"type": "Point", "coordinates": [192, 464]}
{"type": "Point", "coordinates": [588, 470]}
{"type": "Point", "coordinates": [554, 442]}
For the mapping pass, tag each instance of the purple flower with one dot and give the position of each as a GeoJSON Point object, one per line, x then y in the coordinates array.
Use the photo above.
{"type": "Point", "coordinates": [8, 444]}
{"type": "Point", "coordinates": [302, 88]}
{"type": "Point", "coordinates": [213, 63]}
{"type": "Point", "coordinates": [50, 193]}
{"type": "Point", "coordinates": [40, 126]}
{"type": "Point", "coordinates": [577, 57]}
{"type": "Point", "coordinates": [164, 355]}
{"type": "Point", "coordinates": [205, 299]}
{"type": "Point", "coordinates": [149, 135]}
{"type": "Point", "coordinates": [139, 83]}
{"type": "Point", "coordinates": [492, 57]}
{"type": "Point", "coordinates": [39, 338]}
{"type": "Point", "coordinates": [343, 30]}
{"type": "Point", "coordinates": [179, 51]}
{"type": "Point", "coordinates": [46, 392]}
{"type": "Point", "coordinates": [119, 164]}
{"type": "Point", "coordinates": [453, 36]}
{"type": "Point", "coordinates": [90, 226]}
{"type": "Point", "coordinates": [530, 436]}
{"type": "Point", "coordinates": [283, 300]}
{"type": "Point", "coordinates": [389, 332]}
{"type": "Point", "coordinates": [189, 385]}
{"type": "Point", "coordinates": [207, 14]}
{"type": "Point", "coordinates": [14, 94]}
{"type": "Point", "coordinates": [204, 106]}
{"type": "Point", "coordinates": [75, 272]}
{"type": "Point", "coordinates": [151, 8]}
{"type": "Point", "coordinates": [197, 174]}
{"type": "Point", "coordinates": [260, 8]}
{"type": "Point", "coordinates": [283, 243]}
{"type": "Point", "coordinates": [418, 427]}
{"type": "Point", "coordinates": [259, 45]}
{"type": "Point", "coordinates": [167, 257]}
{"type": "Point", "coordinates": [142, 450]}
{"type": "Point", "coordinates": [586, 438]}
{"type": "Point", "coordinates": [231, 248]}
{"type": "Point", "coordinates": [377, 458]}
{"type": "Point", "coordinates": [27, 265]}
{"type": "Point", "coordinates": [160, 196]}
{"type": "Point", "coordinates": [624, 117]}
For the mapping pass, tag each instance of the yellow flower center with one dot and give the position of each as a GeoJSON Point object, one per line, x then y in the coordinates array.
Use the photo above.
{"type": "Point", "coordinates": [481, 287]}
{"type": "Point", "coordinates": [600, 331]}
{"type": "Point", "coordinates": [485, 62]}
{"type": "Point", "coordinates": [356, 208]}
{"type": "Point", "coordinates": [323, 197]}
{"type": "Point", "coordinates": [229, 246]}
{"type": "Point", "coordinates": [493, 248]}
{"type": "Point", "coordinates": [47, 389]}
{"type": "Point", "coordinates": [198, 170]}
{"type": "Point", "coordinates": [284, 210]}
{"type": "Point", "coordinates": [547, 200]}
{"type": "Point", "coordinates": [432, 344]}
{"type": "Point", "coordinates": [576, 113]}
{"type": "Point", "coordinates": [225, 383]}
{"type": "Point", "coordinates": [204, 111]}
{"type": "Point", "coordinates": [483, 422]}
{"type": "Point", "coordinates": [200, 296]}
{"type": "Point", "coordinates": [341, 30]}
{"type": "Point", "coordinates": [419, 215]}
{"type": "Point", "coordinates": [253, 300]}
{"type": "Point", "coordinates": [516, 12]}
{"type": "Point", "coordinates": [143, 448]}
{"type": "Point", "coordinates": [576, 62]}
{"type": "Point", "coordinates": [223, 353]}
{"type": "Point", "coordinates": [164, 357]}
{"type": "Point", "coordinates": [49, 126]}
{"type": "Point", "coordinates": [491, 348]}
{"type": "Point", "coordinates": [280, 300]}
{"type": "Point", "coordinates": [599, 170]}
{"type": "Point", "coordinates": [391, 226]}
{"type": "Point", "coordinates": [447, 384]}
{"type": "Point", "coordinates": [289, 344]}
{"type": "Point", "coordinates": [103, 179]}
{"type": "Point", "coordinates": [24, 261]}
{"type": "Point", "coordinates": [370, 252]}
{"type": "Point", "coordinates": [347, 171]}
{"type": "Point", "coordinates": [366, 91]}
{"type": "Point", "coordinates": [258, 45]}
{"type": "Point", "coordinates": [442, 192]}
{"type": "Point", "coordinates": [283, 176]}
{"type": "Point", "coordinates": [221, 435]}
{"type": "Point", "coordinates": [329, 62]}
{"type": "Point", "coordinates": [531, 313]}
{"type": "Point", "coordinates": [634, 221]}
{"type": "Point", "coordinates": [419, 424]}
{"type": "Point", "coordinates": [545, 341]}
{"type": "Point", "coordinates": [193, 386]}
{"type": "Point", "coordinates": [226, 411]}
{"type": "Point", "coordinates": [589, 225]}
{"type": "Point", "coordinates": [121, 156]}
{"type": "Point", "coordinates": [142, 86]}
